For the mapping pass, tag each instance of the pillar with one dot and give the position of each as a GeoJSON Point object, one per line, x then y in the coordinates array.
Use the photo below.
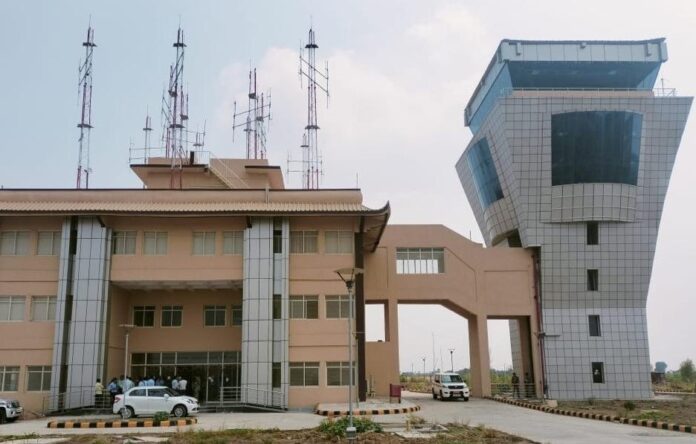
{"type": "Point", "coordinates": [480, 382]}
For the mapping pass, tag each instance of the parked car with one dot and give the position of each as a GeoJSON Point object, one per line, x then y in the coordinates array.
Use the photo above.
{"type": "Point", "coordinates": [10, 410]}
{"type": "Point", "coordinates": [449, 385]}
{"type": "Point", "coordinates": [150, 400]}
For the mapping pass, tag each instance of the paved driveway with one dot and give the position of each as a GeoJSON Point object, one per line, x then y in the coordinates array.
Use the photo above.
{"type": "Point", "coordinates": [535, 425]}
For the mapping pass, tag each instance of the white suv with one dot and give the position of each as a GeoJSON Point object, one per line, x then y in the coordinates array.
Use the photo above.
{"type": "Point", "coordinates": [10, 410]}
{"type": "Point", "coordinates": [150, 400]}
{"type": "Point", "coordinates": [449, 385]}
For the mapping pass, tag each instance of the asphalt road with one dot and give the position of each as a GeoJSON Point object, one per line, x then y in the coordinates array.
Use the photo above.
{"type": "Point", "coordinates": [535, 425]}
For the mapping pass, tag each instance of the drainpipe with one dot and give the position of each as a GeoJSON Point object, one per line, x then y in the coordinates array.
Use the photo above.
{"type": "Point", "coordinates": [536, 255]}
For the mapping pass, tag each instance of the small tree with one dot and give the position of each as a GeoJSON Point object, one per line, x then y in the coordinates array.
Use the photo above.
{"type": "Point", "coordinates": [687, 372]}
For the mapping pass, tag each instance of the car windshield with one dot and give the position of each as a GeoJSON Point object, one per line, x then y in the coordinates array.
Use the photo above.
{"type": "Point", "coordinates": [451, 378]}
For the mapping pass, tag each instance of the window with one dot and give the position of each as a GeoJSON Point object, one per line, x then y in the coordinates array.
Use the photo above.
{"type": "Point", "coordinates": [39, 378]}
{"type": "Point", "coordinates": [420, 260]}
{"type": "Point", "coordinates": [338, 373]}
{"type": "Point", "coordinates": [595, 327]}
{"type": "Point", "coordinates": [484, 174]}
{"type": "Point", "coordinates": [214, 315]}
{"type": "Point", "coordinates": [304, 241]}
{"type": "Point", "coordinates": [304, 307]}
{"type": "Point", "coordinates": [48, 244]}
{"type": "Point", "coordinates": [304, 373]}
{"type": "Point", "coordinates": [137, 392]}
{"type": "Point", "coordinates": [277, 241]}
{"type": "Point", "coordinates": [338, 242]}
{"type": "Point", "coordinates": [14, 243]}
{"type": "Point", "coordinates": [277, 306]}
{"type": "Point", "coordinates": [592, 280]}
{"type": "Point", "coordinates": [236, 315]}
{"type": "Point", "coordinates": [204, 243]}
{"type": "Point", "coordinates": [232, 242]}
{"type": "Point", "coordinates": [144, 315]}
{"type": "Point", "coordinates": [123, 242]}
{"type": "Point", "coordinates": [592, 233]}
{"type": "Point", "coordinates": [337, 307]}
{"type": "Point", "coordinates": [275, 375]}
{"type": "Point", "coordinates": [12, 308]}
{"type": "Point", "coordinates": [598, 372]}
{"type": "Point", "coordinates": [595, 147]}
{"type": "Point", "coordinates": [9, 378]}
{"type": "Point", "coordinates": [172, 315]}
{"type": "Point", "coordinates": [43, 308]}
{"type": "Point", "coordinates": [155, 243]}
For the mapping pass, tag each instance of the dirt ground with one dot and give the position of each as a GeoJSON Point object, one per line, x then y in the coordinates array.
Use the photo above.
{"type": "Point", "coordinates": [456, 434]}
{"type": "Point", "coordinates": [679, 411]}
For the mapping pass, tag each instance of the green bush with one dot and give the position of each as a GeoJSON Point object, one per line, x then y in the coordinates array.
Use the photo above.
{"type": "Point", "coordinates": [337, 428]}
{"type": "Point", "coordinates": [629, 405]}
{"type": "Point", "coordinates": [161, 416]}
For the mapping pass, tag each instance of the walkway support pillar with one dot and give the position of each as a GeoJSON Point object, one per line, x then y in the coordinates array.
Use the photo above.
{"type": "Point", "coordinates": [480, 382]}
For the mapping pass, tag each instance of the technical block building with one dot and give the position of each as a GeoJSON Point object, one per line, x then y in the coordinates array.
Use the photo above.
{"type": "Point", "coordinates": [571, 156]}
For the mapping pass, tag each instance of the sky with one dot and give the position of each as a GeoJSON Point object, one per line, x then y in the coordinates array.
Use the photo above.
{"type": "Point", "coordinates": [401, 73]}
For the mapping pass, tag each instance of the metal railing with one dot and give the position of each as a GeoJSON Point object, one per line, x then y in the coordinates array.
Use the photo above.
{"type": "Point", "coordinates": [84, 399]}
{"type": "Point", "coordinates": [508, 390]}
{"type": "Point", "coordinates": [248, 397]}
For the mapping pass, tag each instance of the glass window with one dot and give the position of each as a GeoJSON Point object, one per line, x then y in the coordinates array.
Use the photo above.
{"type": "Point", "coordinates": [137, 392]}
{"type": "Point", "coordinates": [420, 260]}
{"type": "Point", "coordinates": [39, 378]}
{"type": "Point", "coordinates": [592, 233]}
{"type": "Point", "coordinates": [172, 315]}
{"type": "Point", "coordinates": [598, 372]}
{"type": "Point", "coordinates": [277, 306]}
{"type": "Point", "coordinates": [232, 242]}
{"type": "Point", "coordinates": [304, 373]}
{"type": "Point", "coordinates": [277, 241]}
{"type": "Point", "coordinates": [203, 243]}
{"type": "Point", "coordinates": [595, 327]}
{"type": "Point", "coordinates": [12, 308]}
{"type": "Point", "coordinates": [304, 307]}
{"type": "Point", "coordinates": [155, 243]}
{"type": "Point", "coordinates": [338, 373]}
{"type": "Point", "coordinates": [338, 242]}
{"type": "Point", "coordinates": [236, 315]}
{"type": "Point", "coordinates": [144, 315]}
{"type": "Point", "coordinates": [304, 242]}
{"type": "Point", "coordinates": [14, 243]}
{"type": "Point", "coordinates": [9, 378]}
{"type": "Point", "coordinates": [214, 315]}
{"type": "Point", "coordinates": [484, 173]}
{"type": "Point", "coordinates": [592, 280]}
{"type": "Point", "coordinates": [123, 242]}
{"type": "Point", "coordinates": [275, 375]}
{"type": "Point", "coordinates": [595, 147]}
{"type": "Point", "coordinates": [43, 308]}
{"type": "Point", "coordinates": [337, 307]}
{"type": "Point", "coordinates": [48, 243]}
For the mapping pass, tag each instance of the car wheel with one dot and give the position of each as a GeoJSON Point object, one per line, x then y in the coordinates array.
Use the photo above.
{"type": "Point", "coordinates": [442, 398]}
{"type": "Point", "coordinates": [3, 417]}
{"type": "Point", "coordinates": [434, 395]}
{"type": "Point", "coordinates": [466, 399]}
{"type": "Point", "coordinates": [127, 413]}
{"type": "Point", "coordinates": [179, 411]}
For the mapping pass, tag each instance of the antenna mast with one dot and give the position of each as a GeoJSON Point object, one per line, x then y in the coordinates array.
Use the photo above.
{"type": "Point", "coordinates": [254, 120]}
{"type": "Point", "coordinates": [175, 114]}
{"type": "Point", "coordinates": [85, 125]}
{"type": "Point", "coordinates": [311, 157]}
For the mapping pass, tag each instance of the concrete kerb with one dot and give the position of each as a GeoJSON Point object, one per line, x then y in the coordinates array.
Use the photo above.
{"type": "Point", "coordinates": [609, 418]}
{"type": "Point", "coordinates": [368, 412]}
{"type": "Point", "coordinates": [101, 424]}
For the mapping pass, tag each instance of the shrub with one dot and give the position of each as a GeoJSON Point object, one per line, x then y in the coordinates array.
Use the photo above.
{"type": "Point", "coordinates": [629, 405]}
{"type": "Point", "coordinates": [337, 428]}
{"type": "Point", "coordinates": [161, 416]}
{"type": "Point", "coordinates": [591, 400]}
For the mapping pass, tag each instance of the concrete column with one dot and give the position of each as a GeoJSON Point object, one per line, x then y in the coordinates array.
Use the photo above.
{"type": "Point", "coordinates": [480, 383]}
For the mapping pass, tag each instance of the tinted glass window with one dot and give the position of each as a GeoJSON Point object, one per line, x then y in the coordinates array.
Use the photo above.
{"type": "Point", "coordinates": [595, 147]}
{"type": "Point", "coordinates": [136, 392]}
{"type": "Point", "coordinates": [595, 327]}
{"type": "Point", "coordinates": [484, 174]}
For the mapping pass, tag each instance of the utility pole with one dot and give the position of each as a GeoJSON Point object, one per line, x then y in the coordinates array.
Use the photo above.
{"type": "Point", "coordinates": [451, 350]}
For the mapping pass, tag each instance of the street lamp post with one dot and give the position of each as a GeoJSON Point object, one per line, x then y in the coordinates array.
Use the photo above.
{"type": "Point", "coordinates": [348, 276]}
{"type": "Point", "coordinates": [128, 328]}
{"type": "Point", "coordinates": [424, 367]}
{"type": "Point", "coordinates": [451, 350]}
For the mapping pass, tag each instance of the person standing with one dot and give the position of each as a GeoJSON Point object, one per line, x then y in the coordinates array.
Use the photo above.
{"type": "Point", "coordinates": [528, 387]}
{"type": "Point", "coordinates": [113, 389]}
{"type": "Point", "coordinates": [515, 385]}
{"type": "Point", "coordinates": [175, 384]}
{"type": "Point", "coordinates": [98, 394]}
{"type": "Point", "coordinates": [182, 385]}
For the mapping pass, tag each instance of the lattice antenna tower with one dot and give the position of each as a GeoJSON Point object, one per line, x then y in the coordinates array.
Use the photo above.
{"type": "Point", "coordinates": [175, 114]}
{"type": "Point", "coordinates": [147, 130]}
{"type": "Point", "coordinates": [255, 120]}
{"type": "Point", "coordinates": [312, 169]}
{"type": "Point", "coordinates": [85, 124]}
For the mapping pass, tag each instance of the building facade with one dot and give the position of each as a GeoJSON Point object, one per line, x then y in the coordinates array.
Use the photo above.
{"type": "Point", "coordinates": [571, 157]}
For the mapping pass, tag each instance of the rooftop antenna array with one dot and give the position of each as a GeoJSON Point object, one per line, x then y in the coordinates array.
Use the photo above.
{"type": "Point", "coordinates": [311, 157]}
{"type": "Point", "coordinates": [85, 125]}
{"type": "Point", "coordinates": [254, 119]}
{"type": "Point", "coordinates": [175, 113]}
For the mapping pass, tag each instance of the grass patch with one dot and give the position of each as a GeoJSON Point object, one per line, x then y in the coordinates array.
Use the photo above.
{"type": "Point", "coordinates": [679, 411]}
{"type": "Point", "coordinates": [9, 438]}
{"type": "Point", "coordinates": [337, 428]}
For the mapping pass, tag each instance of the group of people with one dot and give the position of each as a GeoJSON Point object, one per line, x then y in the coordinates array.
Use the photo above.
{"type": "Point", "coordinates": [124, 383]}
{"type": "Point", "coordinates": [528, 385]}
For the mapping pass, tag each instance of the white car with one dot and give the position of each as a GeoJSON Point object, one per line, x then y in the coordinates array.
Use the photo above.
{"type": "Point", "coordinates": [10, 410]}
{"type": "Point", "coordinates": [150, 400]}
{"type": "Point", "coordinates": [449, 385]}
